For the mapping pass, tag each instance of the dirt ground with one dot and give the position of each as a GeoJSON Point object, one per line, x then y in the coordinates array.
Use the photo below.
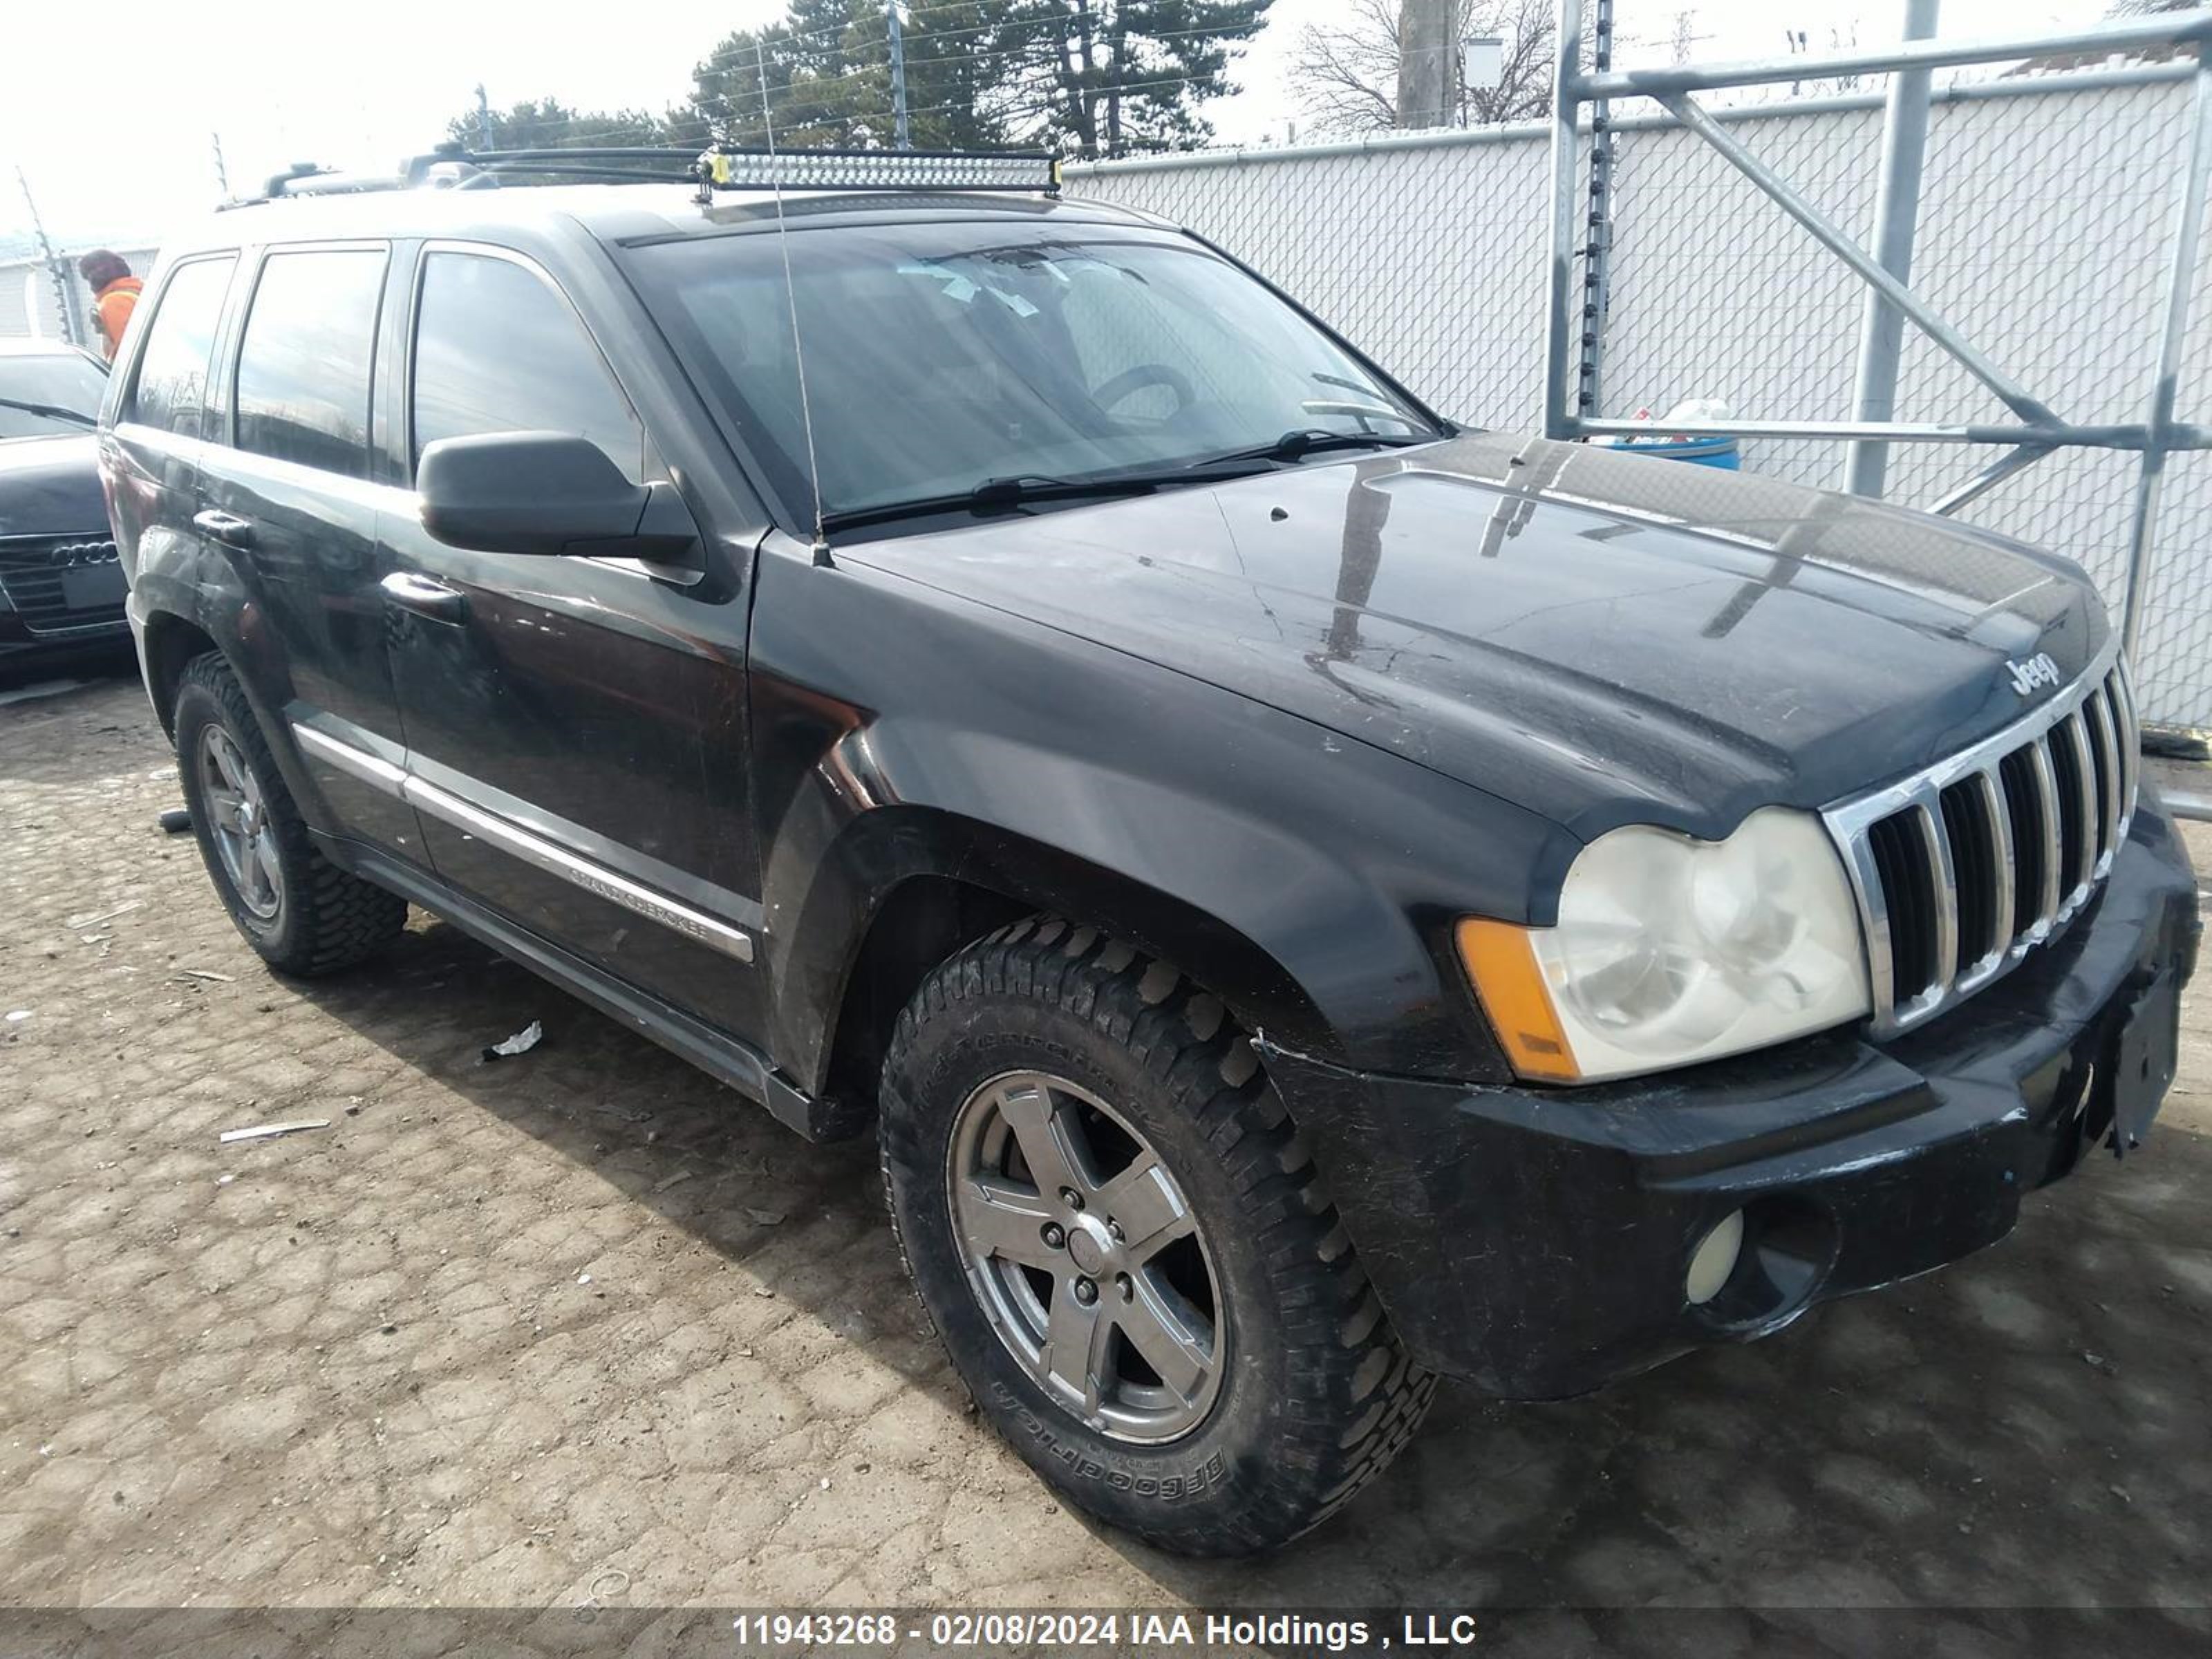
{"type": "Point", "coordinates": [581, 1324]}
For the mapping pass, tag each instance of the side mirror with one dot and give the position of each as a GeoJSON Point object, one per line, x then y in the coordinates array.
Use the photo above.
{"type": "Point", "coordinates": [547, 493]}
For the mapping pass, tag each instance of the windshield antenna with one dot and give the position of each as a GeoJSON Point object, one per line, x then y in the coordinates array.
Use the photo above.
{"type": "Point", "coordinates": [790, 297]}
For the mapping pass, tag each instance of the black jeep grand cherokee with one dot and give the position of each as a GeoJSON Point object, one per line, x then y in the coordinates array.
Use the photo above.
{"type": "Point", "coordinates": [1308, 898]}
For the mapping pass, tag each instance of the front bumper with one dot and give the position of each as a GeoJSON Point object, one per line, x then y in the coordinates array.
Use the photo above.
{"type": "Point", "coordinates": [37, 625]}
{"type": "Point", "coordinates": [1535, 1241]}
{"type": "Point", "coordinates": [21, 646]}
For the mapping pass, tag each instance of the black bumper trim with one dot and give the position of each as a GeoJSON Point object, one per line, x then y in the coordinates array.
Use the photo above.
{"type": "Point", "coordinates": [1534, 1241]}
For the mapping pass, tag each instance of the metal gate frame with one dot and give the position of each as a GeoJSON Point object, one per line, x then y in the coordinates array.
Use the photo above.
{"type": "Point", "coordinates": [1574, 333]}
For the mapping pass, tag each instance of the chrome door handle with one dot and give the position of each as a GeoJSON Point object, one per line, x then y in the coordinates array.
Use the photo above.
{"type": "Point", "coordinates": [225, 527]}
{"type": "Point", "coordinates": [425, 596]}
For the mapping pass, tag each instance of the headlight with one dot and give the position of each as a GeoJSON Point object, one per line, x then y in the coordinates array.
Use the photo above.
{"type": "Point", "coordinates": [1670, 949]}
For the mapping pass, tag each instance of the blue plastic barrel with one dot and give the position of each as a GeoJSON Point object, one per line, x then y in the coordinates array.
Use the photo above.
{"type": "Point", "coordinates": [1699, 452]}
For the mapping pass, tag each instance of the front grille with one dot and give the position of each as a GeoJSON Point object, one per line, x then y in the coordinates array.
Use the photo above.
{"type": "Point", "coordinates": [31, 575]}
{"type": "Point", "coordinates": [1963, 868]}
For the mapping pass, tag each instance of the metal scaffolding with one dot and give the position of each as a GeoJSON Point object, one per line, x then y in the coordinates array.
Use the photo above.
{"type": "Point", "coordinates": [1573, 339]}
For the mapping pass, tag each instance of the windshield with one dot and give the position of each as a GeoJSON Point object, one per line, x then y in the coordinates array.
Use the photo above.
{"type": "Point", "coordinates": [940, 357]}
{"type": "Point", "coordinates": [60, 379]}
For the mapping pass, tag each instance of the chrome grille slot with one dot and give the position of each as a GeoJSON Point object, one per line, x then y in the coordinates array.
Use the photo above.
{"type": "Point", "coordinates": [1964, 867]}
{"type": "Point", "coordinates": [2069, 767]}
{"type": "Point", "coordinates": [2105, 753]}
{"type": "Point", "coordinates": [2030, 838]}
{"type": "Point", "coordinates": [1899, 844]}
{"type": "Point", "coordinates": [1968, 821]}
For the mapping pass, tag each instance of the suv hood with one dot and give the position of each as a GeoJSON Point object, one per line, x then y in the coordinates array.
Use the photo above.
{"type": "Point", "coordinates": [50, 487]}
{"type": "Point", "coordinates": [1599, 636]}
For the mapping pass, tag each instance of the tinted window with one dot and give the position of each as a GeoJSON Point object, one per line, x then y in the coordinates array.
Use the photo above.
{"type": "Point", "coordinates": [173, 371]}
{"type": "Point", "coordinates": [66, 385]}
{"type": "Point", "coordinates": [303, 371]}
{"type": "Point", "coordinates": [497, 350]}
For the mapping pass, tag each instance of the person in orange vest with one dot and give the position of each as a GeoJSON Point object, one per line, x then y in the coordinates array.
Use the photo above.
{"type": "Point", "coordinates": [114, 295]}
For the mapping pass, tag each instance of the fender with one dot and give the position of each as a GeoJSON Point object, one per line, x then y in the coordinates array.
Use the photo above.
{"type": "Point", "coordinates": [180, 580]}
{"type": "Point", "coordinates": [1289, 868]}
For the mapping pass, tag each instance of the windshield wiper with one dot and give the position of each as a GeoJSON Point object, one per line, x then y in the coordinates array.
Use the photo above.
{"type": "Point", "coordinates": [1000, 495]}
{"type": "Point", "coordinates": [1301, 442]}
{"type": "Point", "coordinates": [52, 411]}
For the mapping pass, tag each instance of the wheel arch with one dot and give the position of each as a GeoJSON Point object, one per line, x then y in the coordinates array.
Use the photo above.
{"type": "Point", "coordinates": [931, 910]}
{"type": "Point", "coordinates": [170, 642]}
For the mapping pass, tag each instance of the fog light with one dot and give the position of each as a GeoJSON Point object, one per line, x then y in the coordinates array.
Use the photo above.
{"type": "Point", "coordinates": [1714, 1260]}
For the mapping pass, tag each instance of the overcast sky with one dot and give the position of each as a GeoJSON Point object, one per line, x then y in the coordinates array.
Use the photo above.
{"type": "Point", "coordinates": [110, 110]}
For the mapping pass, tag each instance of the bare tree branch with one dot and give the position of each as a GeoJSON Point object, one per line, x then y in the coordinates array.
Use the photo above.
{"type": "Point", "coordinates": [1345, 74]}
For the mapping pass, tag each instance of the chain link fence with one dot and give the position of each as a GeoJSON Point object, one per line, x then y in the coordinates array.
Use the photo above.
{"type": "Point", "coordinates": [2045, 230]}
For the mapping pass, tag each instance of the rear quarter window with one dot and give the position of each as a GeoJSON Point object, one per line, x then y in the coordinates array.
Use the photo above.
{"type": "Point", "coordinates": [170, 391]}
{"type": "Point", "coordinates": [305, 363]}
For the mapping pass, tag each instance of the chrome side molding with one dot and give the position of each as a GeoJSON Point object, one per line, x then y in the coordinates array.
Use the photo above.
{"type": "Point", "coordinates": [530, 848]}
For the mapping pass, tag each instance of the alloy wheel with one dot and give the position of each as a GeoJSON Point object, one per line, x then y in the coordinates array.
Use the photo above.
{"type": "Point", "coordinates": [245, 839]}
{"type": "Point", "coordinates": [1086, 1257]}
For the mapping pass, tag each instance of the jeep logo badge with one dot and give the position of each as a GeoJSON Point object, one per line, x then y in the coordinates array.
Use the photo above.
{"type": "Point", "coordinates": [2031, 672]}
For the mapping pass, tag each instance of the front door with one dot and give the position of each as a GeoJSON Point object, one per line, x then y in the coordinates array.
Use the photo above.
{"type": "Point", "coordinates": [575, 726]}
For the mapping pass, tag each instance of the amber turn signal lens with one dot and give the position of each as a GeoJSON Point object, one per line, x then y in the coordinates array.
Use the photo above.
{"type": "Point", "coordinates": [1503, 965]}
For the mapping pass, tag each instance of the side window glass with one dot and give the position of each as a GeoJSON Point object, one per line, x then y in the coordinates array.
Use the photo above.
{"type": "Point", "coordinates": [497, 350]}
{"type": "Point", "coordinates": [173, 370]}
{"type": "Point", "coordinates": [303, 370]}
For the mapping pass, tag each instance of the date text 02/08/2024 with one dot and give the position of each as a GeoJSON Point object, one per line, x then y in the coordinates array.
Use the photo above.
{"type": "Point", "coordinates": [997, 1630]}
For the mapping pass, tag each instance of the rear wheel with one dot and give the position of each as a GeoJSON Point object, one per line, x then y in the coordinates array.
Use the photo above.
{"type": "Point", "coordinates": [303, 913]}
{"type": "Point", "coordinates": [1128, 1248]}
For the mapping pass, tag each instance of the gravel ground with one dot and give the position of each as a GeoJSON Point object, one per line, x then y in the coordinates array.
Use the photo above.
{"type": "Point", "coordinates": [581, 1323]}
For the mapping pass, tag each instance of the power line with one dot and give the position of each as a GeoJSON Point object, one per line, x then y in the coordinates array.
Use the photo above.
{"type": "Point", "coordinates": [913, 12]}
{"type": "Point", "coordinates": [803, 86]}
{"type": "Point", "coordinates": [733, 55]}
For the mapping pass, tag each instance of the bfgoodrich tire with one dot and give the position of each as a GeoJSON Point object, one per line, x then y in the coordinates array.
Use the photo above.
{"type": "Point", "coordinates": [1126, 1248]}
{"type": "Point", "coordinates": [304, 914]}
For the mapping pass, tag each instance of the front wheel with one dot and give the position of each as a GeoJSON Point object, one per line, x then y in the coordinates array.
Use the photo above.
{"type": "Point", "coordinates": [1128, 1250]}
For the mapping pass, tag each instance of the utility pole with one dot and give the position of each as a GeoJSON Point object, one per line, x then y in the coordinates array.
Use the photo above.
{"type": "Point", "coordinates": [54, 270]}
{"type": "Point", "coordinates": [1428, 63]}
{"type": "Point", "coordinates": [900, 135]}
{"type": "Point", "coordinates": [221, 173]}
{"type": "Point", "coordinates": [483, 119]}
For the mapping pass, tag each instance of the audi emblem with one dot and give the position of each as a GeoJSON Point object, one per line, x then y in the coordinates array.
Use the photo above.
{"type": "Point", "coordinates": [70, 555]}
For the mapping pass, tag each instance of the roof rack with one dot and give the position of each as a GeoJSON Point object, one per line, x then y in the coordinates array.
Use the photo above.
{"type": "Point", "coordinates": [719, 167]}
{"type": "Point", "coordinates": [306, 179]}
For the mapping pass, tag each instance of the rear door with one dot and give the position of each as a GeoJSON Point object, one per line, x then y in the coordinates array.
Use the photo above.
{"type": "Point", "coordinates": [287, 496]}
{"type": "Point", "coordinates": [578, 723]}
{"type": "Point", "coordinates": [150, 452]}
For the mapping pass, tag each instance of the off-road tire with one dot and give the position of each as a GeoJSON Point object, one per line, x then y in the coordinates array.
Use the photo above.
{"type": "Point", "coordinates": [328, 920]}
{"type": "Point", "coordinates": [1318, 1395]}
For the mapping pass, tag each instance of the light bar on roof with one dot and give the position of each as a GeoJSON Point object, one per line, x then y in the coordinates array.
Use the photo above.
{"type": "Point", "coordinates": [878, 169]}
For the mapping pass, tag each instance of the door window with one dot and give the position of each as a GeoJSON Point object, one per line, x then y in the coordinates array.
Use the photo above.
{"type": "Point", "coordinates": [173, 370]}
{"type": "Point", "coordinates": [303, 371]}
{"type": "Point", "coordinates": [497, 349]}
